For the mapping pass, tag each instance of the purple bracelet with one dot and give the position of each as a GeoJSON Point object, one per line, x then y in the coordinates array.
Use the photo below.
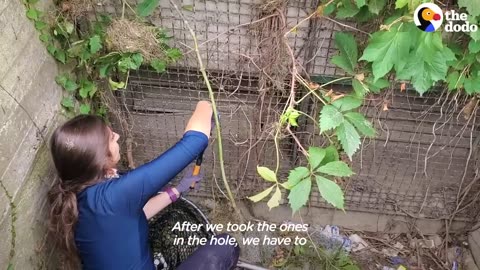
{"type": "Point", "coordinates": [171, 194]}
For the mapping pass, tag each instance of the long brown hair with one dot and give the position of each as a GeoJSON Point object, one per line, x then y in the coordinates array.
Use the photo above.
{"type": "Point", "coordinates": [80, 151]}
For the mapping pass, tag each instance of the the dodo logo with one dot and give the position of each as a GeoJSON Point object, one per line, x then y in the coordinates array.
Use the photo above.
{"type": "Point", "coordinates": [428, 17]}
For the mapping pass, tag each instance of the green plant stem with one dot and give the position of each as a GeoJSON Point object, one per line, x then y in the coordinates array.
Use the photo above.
{"type": "Point", "coordinates": [275, 138]}
{"type": "Point", "coordinates": [215, 112]}
{"type": "Point", "coordinates": [310, 91]}
{"type": "Point", "coordinates": [123, 10]}
{"type": "Point", "coordinates": [387, 27]}
{"type": "Point", "coordinates": [308, 116]}
{"type": "Point", "coordinates": [277, 150]}
{"type": "Point", "coordinates": [126, 80]}
{"type": "Point", "coordinates": [299, 23]}
{"type": "Point", "coordinates": [130, 7]}
{"type": "Point", "coordinates": [334, 81]}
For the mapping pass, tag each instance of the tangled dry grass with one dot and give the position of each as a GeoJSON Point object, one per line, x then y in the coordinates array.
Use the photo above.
{"type": "Point", "coordinates": [131, 36]}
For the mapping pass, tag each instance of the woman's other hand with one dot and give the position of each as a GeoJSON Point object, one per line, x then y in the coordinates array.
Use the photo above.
{"type": "Point", "coordinates": [201, 119]}
{"type": "Point", "coordinates": [188, 179]}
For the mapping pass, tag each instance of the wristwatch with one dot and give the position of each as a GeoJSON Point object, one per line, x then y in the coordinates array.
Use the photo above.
{"type": "Point", "coordinates": [171, 194]}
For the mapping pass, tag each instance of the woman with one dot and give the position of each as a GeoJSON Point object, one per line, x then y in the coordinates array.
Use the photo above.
{"type": "Point", "coordinates": [102, 217]}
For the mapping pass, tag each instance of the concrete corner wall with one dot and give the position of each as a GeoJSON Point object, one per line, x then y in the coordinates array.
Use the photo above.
{"type": "Point", "coordinates": [474, 243]}
{"type": "Point", "coordinates": [29, 105]}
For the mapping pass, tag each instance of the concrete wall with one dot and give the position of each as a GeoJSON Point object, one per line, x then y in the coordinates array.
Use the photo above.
{"type": "Point", "coordinates": [474, 242]}
{"type": "Point", "coordinates": [27, 73]}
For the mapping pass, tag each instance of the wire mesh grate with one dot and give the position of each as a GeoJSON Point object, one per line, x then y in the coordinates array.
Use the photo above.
{"type": "Point", "coordinates": [416, 165]}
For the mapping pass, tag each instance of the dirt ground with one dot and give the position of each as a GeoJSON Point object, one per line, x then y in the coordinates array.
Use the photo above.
{"type": "Point", "coordinates": [382, 251]}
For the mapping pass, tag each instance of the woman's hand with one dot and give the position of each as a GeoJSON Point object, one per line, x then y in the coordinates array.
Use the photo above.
{"type": "Point", "coordinates": [201, 119]}
{"type": "Point", "coordinates": [188, 179]}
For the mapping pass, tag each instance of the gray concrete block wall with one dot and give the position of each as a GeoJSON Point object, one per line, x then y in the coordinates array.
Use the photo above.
{"type": "Point", "coordinates": [27, 73]}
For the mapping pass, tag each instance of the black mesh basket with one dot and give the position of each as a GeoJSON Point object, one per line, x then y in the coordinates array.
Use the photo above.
{"type": "Point", "coordinates": [166, 254]}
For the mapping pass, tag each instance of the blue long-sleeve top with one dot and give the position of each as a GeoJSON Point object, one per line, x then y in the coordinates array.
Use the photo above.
{"type": "Point", "coordinates": [112, 229]}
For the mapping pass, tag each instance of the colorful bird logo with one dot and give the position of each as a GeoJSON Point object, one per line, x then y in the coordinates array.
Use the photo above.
{"type": "Point", "coordinates": [428, 17]}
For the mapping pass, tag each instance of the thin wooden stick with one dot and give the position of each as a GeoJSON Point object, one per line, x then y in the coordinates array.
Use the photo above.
{"type": "Point", "coordinates": [215, 112]}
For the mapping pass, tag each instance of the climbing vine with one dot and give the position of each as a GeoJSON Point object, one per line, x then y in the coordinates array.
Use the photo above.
{"type": "Point", "coordinates": [100, 51]}
{"type": "Point", "coordinates": [396, 51]}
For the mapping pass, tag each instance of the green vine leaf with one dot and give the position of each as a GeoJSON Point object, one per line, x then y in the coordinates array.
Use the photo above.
{"type": "Point", "coordinates": [475, 35]}
{"type": "Point", "coordinates": [328, 9]}
{"type": "Point", "coordinates": [104, 70]}
{"type": "Point", "coordinates": [84, 56]}
{"type": "Point", "coordinates": [349, 138]}
{"type": "Point", "coordinates": [375, 6]}
{"type": "Point", "coordinates": [33, 14]}
{"type": "Point", "coordinates": [173, 53]}
{"type": "Point", "coordinates": [472, 84]}
{"type": "Point", "coordinates": [336, 168]}
{"type": "Point", "coordinates": [412, 4]}
{"type": "Point", "coordinates": [39, 25]}
{"type": "Point", "coordinates": [101, 111]}
{"type": "Point", "coordinates": [292, 118]}
{"type": "Point", "coordinates": [60, 55]}
{"type": "Point", "coordinates": [267, 174]}
{"type": "Point", "coordinates": [360, 3]}
{"type": "Point", "coordinates": [260, 196]}
{"type": "Point", "coordinates": [67, 83]}
{"type": "Point", "coordinates": [286, 185]}
{"type": "Point", "coordinates": [376, 86]}
{"type": "Point", "coordinates": [472, 7]}
{"type": "Point", "coordinates": [299, 194]}
{"type": "Point", "coordinates": [347, 10]}
{"type": "Point", "coordinates": [275, 199]}
{"type": "Point", "coordinates": [401, 3]}
{"type": "Point", "coordinates": [291, 115]}
{"type": "Point", "coordinates": [87, 89]}
{"type": "Point", "coordinates": [474, 46]}
{"type": "Point", "coordinates": [116, 85]}
{"type": "Point", "coordinates": [428, 63]}
{"type": "Point", "coordinates": [84, 109]}
{"type": "Point", "coordinates": [364, 15]}
{"type": "Point", "coordinates": [68, 103]}
{"type": "Point", "coordinates": [455, 80]}
{"type": "Point", "coordinates": [347, 103]}
{"type": "Point", "coordinates": [330, 118]}
{"type": "Point", "coordinates": [126, 64]}
{"type": "Point", "coordinates": [95, 44]}
{"type": "Point", "coordinates": [316, 156]}
{"type": "Point", "coordinates": [146, 7]}
{"type": "Point", "coordinates": [360, 88]}
{"type": "Point", "coordinates": [160, 66]}
{"type": "Point", "coordinates": [387, 49]}
{"type": "Point", "coordinates": [330, 191]}
{"type": "Point", "coordinates": [296, 175]}
{"type": "Point", "coordinates": [45, 38]}
{"type": "Point", "coordinates": [362, 124]}
{"type": "Point", "coordinates": [137, 59]}
{"type": "Point", "coordinates": [51, 49]}
{"type": "Point", "coordinates": [348, 57]}
{"type": "Point", "coordinates": [331, 154]}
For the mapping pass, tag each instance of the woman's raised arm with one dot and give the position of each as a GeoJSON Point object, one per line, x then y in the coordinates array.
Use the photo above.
{"type": "Point", "coordinates": [132, 191]}
{"type": "Point", "coordinates": [201, 119]}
